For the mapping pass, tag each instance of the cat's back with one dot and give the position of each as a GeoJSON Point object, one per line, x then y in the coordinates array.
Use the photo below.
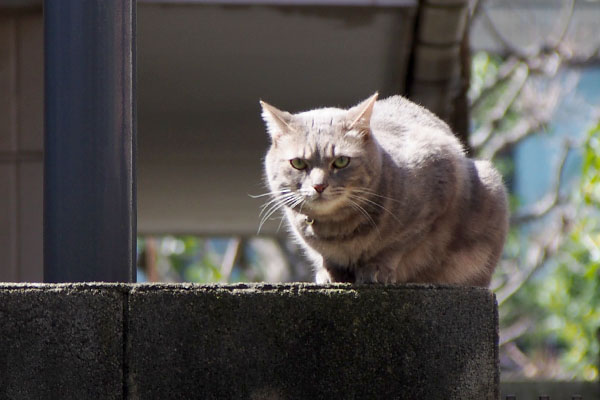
{"type": "Point", "coordinates": [406, 129]}
{"type": "Point", "coordinates": [399, 111]}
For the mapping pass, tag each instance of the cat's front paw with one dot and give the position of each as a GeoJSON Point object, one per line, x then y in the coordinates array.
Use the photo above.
{"type": "Point", "coordinates": [322, 277]}
{"type": "Point", "coordinates": [339, 273]}
{"type": "Point", "coordinates": [374, 273]}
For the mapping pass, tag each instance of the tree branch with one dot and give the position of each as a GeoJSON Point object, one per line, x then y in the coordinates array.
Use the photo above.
{"type": "Point", "coordinates": [538, 59]}
{"type": "Point", "coordinates": [535, 258]}
{"type": "Point", "coordinates": [578, 60]}
{"type": "Point", "coordinates": [499, 143]}
{"type": "Point", "coordinates": [514, 331]}
{"type": "Point", "coordinates": [549, 202]}
{"type": "Point", "coordinates": [515, 354]}
{"type": "Point", "coordinates": [498, 112]}
{"type": "Point", "coordinates": [565, 26]}
{"type": "Point", "coordinates": [234, 250]}
{"type": "Point", "coordinates": [505, 72]}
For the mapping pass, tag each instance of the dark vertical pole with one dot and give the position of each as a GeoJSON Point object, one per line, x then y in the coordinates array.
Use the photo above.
{"type": "Point", "coordinates": [89, 176]}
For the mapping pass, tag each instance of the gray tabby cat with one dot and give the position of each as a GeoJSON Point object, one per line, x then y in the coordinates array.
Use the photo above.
{"type": "Point", "coordinates": [383, 192]}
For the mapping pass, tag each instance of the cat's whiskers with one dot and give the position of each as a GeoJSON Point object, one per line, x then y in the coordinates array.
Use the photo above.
{"type": "Point", "coordinates": [272, 206]}
{"type": "Point", "coordinates": [374, 203]}
{"type": "Point", "coordinates": [300, 202]}
{"type": "Point", "coordinates": [269, 203]}
{"type": "Point", "coordinates": [275, 192]}
{"type": "Point", "coordinates": [290, 199]}
{"type": "Point", "coordinates": [276, 203]}
{"type": "Point", "coordinates": [302, 205]}
{"type": "Point", "coordinates": [279, 195]}
{"type": "Point", "coordinates": [365, 213]}
{"type": "Point", "coordinates": [373, 193]}
{"type": "Point", "coordinates": [342, 191]}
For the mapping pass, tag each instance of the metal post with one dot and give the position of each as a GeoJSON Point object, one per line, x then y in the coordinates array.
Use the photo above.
{"type": "Point", "coordinates": [89, 165]}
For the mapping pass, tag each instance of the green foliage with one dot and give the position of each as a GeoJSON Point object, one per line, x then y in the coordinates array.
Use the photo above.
{"type": "Point", "coordinates": [555, 314]}
{"type": "Point", "coordinates": [194, 264]}
{"type": "Point", "coordinates": [490, 85]}
{"type": "Point", "coordinates": [591, 167]}
{"type": "Point", "coordinates": [563, 300]}
{"type": "Point", "coordinates": [199, 259]}
{"type": "Point", "coordinates": [181, 258]}
{"type": "Point", "coordinates": [573, 298]}
{"type": "Point", "coordinates": [570, 298]}
{"type": "Point", "coordinates": [581, 268]}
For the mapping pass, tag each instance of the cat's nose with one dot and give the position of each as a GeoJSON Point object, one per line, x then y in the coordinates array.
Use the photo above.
{"type": "Point", "coordinates": [320, 187]}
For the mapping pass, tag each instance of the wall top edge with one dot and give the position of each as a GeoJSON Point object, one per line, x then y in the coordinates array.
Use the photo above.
{"type": "Point", "coordinates": [243, 287]}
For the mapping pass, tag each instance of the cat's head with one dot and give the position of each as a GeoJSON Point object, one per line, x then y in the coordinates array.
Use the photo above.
{"type": "Point", "coordinates": [320, 159]}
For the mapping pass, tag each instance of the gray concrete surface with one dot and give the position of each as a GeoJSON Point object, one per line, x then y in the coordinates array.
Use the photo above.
{"type": "Point", "coordinates": [310, 342]}
{"type": "Point", "coordinates": [61, 341]}
{"type": "Point", "coordinates": [289, 341]}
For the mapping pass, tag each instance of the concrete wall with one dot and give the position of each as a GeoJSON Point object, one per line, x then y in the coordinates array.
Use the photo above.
{"type": "Point", "coordinates": [114, 341]}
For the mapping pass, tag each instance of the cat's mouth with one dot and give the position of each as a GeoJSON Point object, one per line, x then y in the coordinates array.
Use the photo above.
{"type": "Point", "coordinates": [323, 203]}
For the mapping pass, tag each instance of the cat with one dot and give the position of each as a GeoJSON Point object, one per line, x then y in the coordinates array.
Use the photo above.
{"type": "Point", "coordinates": [383, 193]}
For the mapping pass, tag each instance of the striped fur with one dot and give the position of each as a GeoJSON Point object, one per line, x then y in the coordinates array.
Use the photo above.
{"type": "Point", "coordinates": [409, 207]}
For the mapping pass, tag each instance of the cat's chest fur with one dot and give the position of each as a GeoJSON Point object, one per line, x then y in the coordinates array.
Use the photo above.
{"type": "Point", "coordinates": [382, 192]}
{"type": "Point", "coordinates": [343, 241]}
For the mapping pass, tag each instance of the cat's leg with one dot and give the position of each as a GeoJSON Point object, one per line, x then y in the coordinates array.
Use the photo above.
{"type": "Point", "coordinates": [328, 272]}
{"type": "Point", "coordinates": [329, 275]}
{"type": "Point", "coordinates": [339, 273]}
{"type": "Point", "coordinates": [374, 272]}
{"type": "Point", "coordinates": [322, 276]}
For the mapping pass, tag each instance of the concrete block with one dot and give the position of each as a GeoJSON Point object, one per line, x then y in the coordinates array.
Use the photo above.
{"type": "Point", "coordinates": [303, 341]}
{"type": "Point", "coordinates": [61, 341]}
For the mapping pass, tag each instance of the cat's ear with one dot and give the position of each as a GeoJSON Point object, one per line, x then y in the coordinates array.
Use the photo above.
{"type": "Point", "coordinates": [277, 121]}
{"type": "Point", "coordinates": [360, 116]}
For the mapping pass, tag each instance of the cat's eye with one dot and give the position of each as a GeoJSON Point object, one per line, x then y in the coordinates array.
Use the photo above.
{"type": "Point", "coordinates": [298, 163]}
{"type": "Point", "coordinates": [341, 162]}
